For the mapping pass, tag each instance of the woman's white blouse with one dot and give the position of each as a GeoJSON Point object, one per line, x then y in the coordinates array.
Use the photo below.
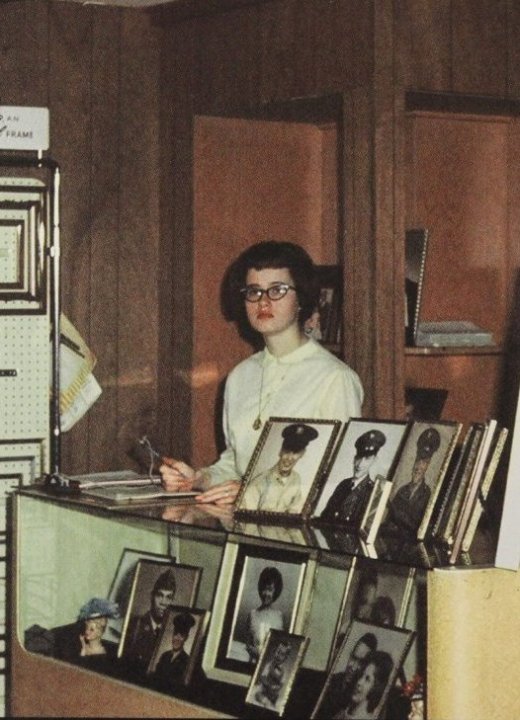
{"type": "Point", "coordinates": [308, 383]}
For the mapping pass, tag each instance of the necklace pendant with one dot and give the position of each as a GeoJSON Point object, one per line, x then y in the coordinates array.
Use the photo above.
{"type": "Point", "coordinates": [257, 423]}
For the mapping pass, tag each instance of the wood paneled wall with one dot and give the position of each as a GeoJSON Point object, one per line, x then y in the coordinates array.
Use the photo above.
{"type": "Point", "coordinates": [97, 69]}
{"type": "Point", "coordinates": [123, 87]}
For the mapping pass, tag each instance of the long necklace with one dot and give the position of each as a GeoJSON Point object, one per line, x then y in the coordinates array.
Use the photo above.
{"type": "Point", "coordinates": [263, 403]}
{"type": "Point", "coordinates": [258, 420]}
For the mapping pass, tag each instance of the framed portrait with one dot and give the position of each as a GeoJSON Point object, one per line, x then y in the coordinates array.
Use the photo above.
{"type": "Point", "coordinates": [422, 465]}
{"type": "Point", "coordinates": [261, 587]}
{"type": "Point", "coordinates": [375, 592]}
{"type": "Point", "coordinates": [286, 468]}
{"type": "Point", "coordinates": [277, 667]}
{"type": "Point", "coordinates": [155, 587]}
{"type": "Point", "coordinates": [121, 586]}
{"type": "Point", "coordinates": [367, 449]}
{"type": "Point", "coordinates": [325, 322]}
{"type": "Point", "coordinates": [178, 648]}
{"type": "Point", "coordinates": [363, 671]}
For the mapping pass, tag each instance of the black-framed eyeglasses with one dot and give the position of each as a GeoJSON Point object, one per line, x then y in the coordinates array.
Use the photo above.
{"type": "Point", "coordinates": [254, 294]}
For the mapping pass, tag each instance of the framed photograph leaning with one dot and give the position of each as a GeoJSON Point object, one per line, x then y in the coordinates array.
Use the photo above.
{"type": "Point", "coordinates": [155, 588]}
{"type": "Point", "coordinates": [366, 449]}
{"type": "Point", "coordinates": [418, 476]}
{"type": "Point", "coordinates": [375, 592]}
{"type": "Point", "coordinates": [276, 670]}
{"type": "Point", "coordinates": [121, 586]}
{"type": "Point", "coordinates": [178, 648]}
{"type": "Point", "coordinates": [363, 672]}
{"type": "Point", "coordinates": [261, 587]}
{"type": "Point", "coordinates": [286, 468]}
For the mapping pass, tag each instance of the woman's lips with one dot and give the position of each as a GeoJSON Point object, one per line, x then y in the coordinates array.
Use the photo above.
{"type": "Point", "coordinates": [265, 315]}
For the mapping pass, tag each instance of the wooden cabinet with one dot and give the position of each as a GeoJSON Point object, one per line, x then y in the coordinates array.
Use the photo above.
{"type": "Point", "coordinates": [462, 185]}
{"type": "Point", "coordinates": [67, 550]}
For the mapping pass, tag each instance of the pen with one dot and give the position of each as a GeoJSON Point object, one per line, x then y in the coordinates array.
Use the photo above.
{"type": "Point", "coordinates": [155, 455]}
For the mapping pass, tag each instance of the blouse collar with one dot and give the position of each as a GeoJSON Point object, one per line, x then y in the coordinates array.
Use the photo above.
{"type": "Point", "coordinates": [301, 353]}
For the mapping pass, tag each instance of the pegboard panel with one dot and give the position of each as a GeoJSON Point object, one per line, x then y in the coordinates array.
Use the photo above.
{"type": "Point", "coordinates": [25, 376]}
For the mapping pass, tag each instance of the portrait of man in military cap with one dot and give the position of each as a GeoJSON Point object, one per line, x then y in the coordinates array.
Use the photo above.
{"type": "Point", "coordinates": [418, 475]}
{"type": "Point", "coordinates": [285, 465]}
{"type": "Point", "coordinates": [174, 659]}
{"type": "Point", "coordinates": [155, 589]}
{"type": "Point", "coordinates": [367, 449]}
{"type": "Point", "coordinates": [348, 501]}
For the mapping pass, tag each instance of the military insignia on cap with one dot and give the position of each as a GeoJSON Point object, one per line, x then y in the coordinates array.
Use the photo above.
{"type": "Point", "coordinates": [427, 443]}
{"type": "Point", "coordinates": [297, 436]}
{"type": "Point", "coordinates": [370, 442]}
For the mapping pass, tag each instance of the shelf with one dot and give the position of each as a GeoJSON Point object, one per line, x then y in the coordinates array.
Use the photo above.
{"type": "Point", "coordinates": [431, 351]}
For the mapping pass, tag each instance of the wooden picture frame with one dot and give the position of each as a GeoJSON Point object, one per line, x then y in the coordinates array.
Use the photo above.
{"type": "Point", "coordinates": [369, 650]}
{"type": "Point", "coordinates": [261, 586]}
{"type": "Point", "coordinates": [367, 449]}
{"type": "Point", "coordinates": [155, 587]}
{"type": "Point", "coordinates": [182, 631]}
{"type": "Point", "coordinates": [276, 670]}
{"type": "Point", "coordinates": [121, 586]}
{"type": "Point", "coordinates": [286, 469]}
{"type": "Point", "coordinates": [425, 457]}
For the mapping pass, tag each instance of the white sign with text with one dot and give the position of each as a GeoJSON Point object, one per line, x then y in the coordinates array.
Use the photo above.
{"type": "Point", "coordinates": [24, 128]}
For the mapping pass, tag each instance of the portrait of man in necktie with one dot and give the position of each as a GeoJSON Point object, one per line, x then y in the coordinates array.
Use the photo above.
{"type": "Point", "coordinates": [368, 449]}
{"type": "Point", "coordinates": [154, 591]}
{"type": "Point", "coordinates": [348, 501]}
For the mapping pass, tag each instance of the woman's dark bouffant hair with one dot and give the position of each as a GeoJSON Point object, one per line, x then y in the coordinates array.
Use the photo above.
{"type": "Point", "coordinates": [271, 576]}
{"type": "Point", "coordinates": [383, 665]}
{"type": "Point", "coordinates": [273, 254]}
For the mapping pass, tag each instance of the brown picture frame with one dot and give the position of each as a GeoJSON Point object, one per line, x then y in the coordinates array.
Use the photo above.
{"type": "Point", "coordinates": [273, 491]}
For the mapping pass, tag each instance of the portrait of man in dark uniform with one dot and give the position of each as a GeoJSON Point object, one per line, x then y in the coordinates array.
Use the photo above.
{"type": "Point", "coordinates": [406, 509]}
{"type": "Point", "coordinates": [347, 503]}
{"type": "Point", "coordinates": [144, 630]}
{"type": "Point", "coordinates": [172, 667]}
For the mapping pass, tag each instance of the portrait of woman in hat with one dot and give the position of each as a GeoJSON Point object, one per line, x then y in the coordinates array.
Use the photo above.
{"type": "Point", "coordinates": [83, 642]}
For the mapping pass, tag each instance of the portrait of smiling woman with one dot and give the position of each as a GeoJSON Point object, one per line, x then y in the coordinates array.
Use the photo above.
{"type": "Point", "coordinates": [275, 290]}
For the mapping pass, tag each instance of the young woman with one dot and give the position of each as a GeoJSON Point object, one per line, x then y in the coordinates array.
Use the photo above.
{"type": "Point", "coordinates": [369, 687]}
{"type": "Point", "coordinates": [265, 617]}
{"type": "Point", "coordinates": [275, 291]}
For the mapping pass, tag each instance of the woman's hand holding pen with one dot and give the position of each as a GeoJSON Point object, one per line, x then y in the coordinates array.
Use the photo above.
{"type": "Point", "coordinates": [177, 476]}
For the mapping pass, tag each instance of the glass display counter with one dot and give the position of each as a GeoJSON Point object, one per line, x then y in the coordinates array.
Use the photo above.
{"type": "Point", "coordinates": [68, 550]}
